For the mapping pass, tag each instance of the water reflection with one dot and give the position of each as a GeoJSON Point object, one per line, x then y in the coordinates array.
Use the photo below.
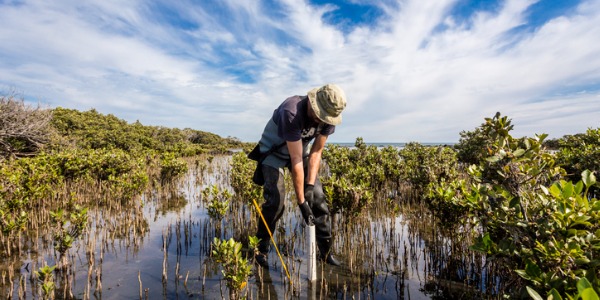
{"type": "Point", "coordinates": [159, 245]}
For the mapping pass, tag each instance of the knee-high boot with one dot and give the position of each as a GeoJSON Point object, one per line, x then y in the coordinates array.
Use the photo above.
{"type": "Point", "coordinates": [325, 254]}
{"type": "Point", "coordinates": [261, 256]}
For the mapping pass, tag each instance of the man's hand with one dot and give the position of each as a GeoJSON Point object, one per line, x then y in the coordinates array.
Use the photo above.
{"type": "Point", "coordinates": [307, 213]}
{"type": "Point", "coordinates": [309, 193]}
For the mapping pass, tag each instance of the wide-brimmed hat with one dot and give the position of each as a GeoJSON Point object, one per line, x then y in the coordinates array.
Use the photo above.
{"type": "Point", "coordinates": [328, 102]}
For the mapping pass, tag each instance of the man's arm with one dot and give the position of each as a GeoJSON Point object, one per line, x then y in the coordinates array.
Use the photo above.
{"type": "Point", "coordinates": [314, 158]}
{"type": "Point", "coordinates": [297, 164]}
{"type": "Point", "coordinates": [297, 167]}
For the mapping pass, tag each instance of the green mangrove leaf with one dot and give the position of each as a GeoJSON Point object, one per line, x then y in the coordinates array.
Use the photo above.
{"type": "Point", "coordinates": [568, 190]}
{"type": "Point", "coordinates": [581, 220]}
{"type": "Point", "coordinates": [545, 190]}
{"type": "Point", "coordinates": [594, 263]}
{"type": "Point", "coordinates": [582, 202]}
{"type": "Point", "coordinates": [502, 153]}
{"type": "Point", "coordinates": [588, 178]}
{"type": "Point", "coordinates": [534, 295]}
{"type": "Point", "coordinates": [582, 261]}
{"type": "Point", "coordinates": [493, 159]}
{"type": "Point", "coordinates": [533, 270]}
{"type": "Point", "coordinates": [519, 152]}
{"type": "Point", "coordinates": [555, 191]}
{"type": "Point", "coordinates": [583, 284]}
{"type": "Point", "coordinates": [523, 274]}
{"type": "Point", "coordinates": [483, 244]}
{"type": "Point", "coordinates": [579, 187]}
{"type": "Point", "coordinates": [571, 232]}
{"type": "Point", "coordinates": [554, 295]}
{"type": "Point", "coordinates": [589, 294]}
{"type": "Point", "coordinates": [514, 202]}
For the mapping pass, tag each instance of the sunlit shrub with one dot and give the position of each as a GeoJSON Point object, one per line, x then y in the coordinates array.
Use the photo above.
{"type": "Point", "coordinates": [45, 276]}
{"type": "Point", "coordinates": [242, 169]}
{"type": "Point", "coordinates": [36, 182]}
{"type": "Point", "coordinates": [540, 229]}
{"type": "Point", "coordinates": [567, 240]}
{"type": "Point", "coordinates": [421, 165]}
{"type": "Point", "coordinates": [345, 197]}
{"type": "Point", "coordinates": [218, 201]}
{"type": "Point", "coordinates": [236, 268]}
{"type": "Point", "coordinates": [93, 130]}
{"type": "Point", "coordinates": [354, 175]}
{"type": "Point", "coordinates": [171, 167]}
{"type": "Point", "coordinates": [70, 223]}
{"type": "Point", "coordinates": [580, 152]}
{"type": "Point", "coordinates": [24, 185]}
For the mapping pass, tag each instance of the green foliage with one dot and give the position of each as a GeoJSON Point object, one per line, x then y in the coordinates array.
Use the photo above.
{"type": "Point", "coordinates": [414, 169]}
{"type": "Point", "coordinates": [124, 174]}
{"type": "Point", "coordinates": [585, 291]}
{"type": "Point", "coordinates": [253, 242]}
{"type": "Point", "coordinates": [242, 169]}
{"type": "Point", "coordinates": [98, 165]}
{"type": "Point", "coordinates": [474, 146]}
{"type": "Point", "coordinates": [355, 175]}
{"type": "Point", "coordinates": [70, 226]}
{"type": "Point", "coordinates": [28, 179]}
{"type": "Point", "coordinates": [580, 152]}
{"type": "Point", "coordinates": [345, 196]}
{"type": "Point", "coordinates": [12, 222]}
{"type": "Point", "coordinates": [364, 165]}
{"type": "Point", "coordinates": [218, 201]}
{"type": "Point", "coordinates": [568, 243]}
{"type": "Point", "coordinates": [24, 183]}
{"type": "Point", "coordinates": [422, 166]}
{"type": "Point", "coordinates": [33, 182]}
{"type": "Point", "coordinates": [546, 236]}
{"type": "Point", "coordinates": [35, 178]}
{"type": "Point", "coordinates": [171, 167]}
{"type": "Point", "coordinates": [447, 199]}
{"type": "Point", "coordinates": [236, 269]}
{"type": "Point", "coordinates": [93, 130]}
{"type": "Point", "coordinates": [46, 277]}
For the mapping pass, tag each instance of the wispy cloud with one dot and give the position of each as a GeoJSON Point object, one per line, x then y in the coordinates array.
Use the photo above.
{"type": "Point", "coordinates": [418, 71]}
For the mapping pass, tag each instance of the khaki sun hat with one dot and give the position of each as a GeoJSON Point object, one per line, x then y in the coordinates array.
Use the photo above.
{"type": "Point", "coordinates": [328, 102]}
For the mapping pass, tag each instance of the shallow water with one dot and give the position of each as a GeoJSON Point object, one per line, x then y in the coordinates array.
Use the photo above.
{"type": "Point", "coordinates": [159, 248]}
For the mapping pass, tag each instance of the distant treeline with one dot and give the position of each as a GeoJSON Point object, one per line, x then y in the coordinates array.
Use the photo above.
{"type": "Point", "coordinates": [94, 130]}
{"type": "Point", "coordinates": [24, 130]}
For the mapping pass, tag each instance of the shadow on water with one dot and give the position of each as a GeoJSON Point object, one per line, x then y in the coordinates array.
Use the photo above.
{"type": "Point", "coordinates": [158, 247]}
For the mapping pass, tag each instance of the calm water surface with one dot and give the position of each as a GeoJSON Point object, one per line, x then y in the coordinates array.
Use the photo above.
{"type": "Point", "coordinates": [160, 247]}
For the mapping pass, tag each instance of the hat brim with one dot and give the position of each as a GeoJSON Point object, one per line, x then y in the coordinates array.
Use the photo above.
{"type": "Point", "coordinates": [320, 111]}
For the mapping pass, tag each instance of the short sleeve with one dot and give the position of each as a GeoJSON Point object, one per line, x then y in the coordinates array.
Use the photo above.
{"type": "Point", "coordinates": [328, 129]}
{"type": "Point", "coordinates": [288, 127]}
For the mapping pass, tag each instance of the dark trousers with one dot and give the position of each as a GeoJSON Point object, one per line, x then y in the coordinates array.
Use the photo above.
{"type": "Point", "coordinates": [272, 209]}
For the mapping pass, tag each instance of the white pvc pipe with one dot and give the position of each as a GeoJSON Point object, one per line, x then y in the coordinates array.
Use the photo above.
{"type": "Point", "coordinates": [312, 253]}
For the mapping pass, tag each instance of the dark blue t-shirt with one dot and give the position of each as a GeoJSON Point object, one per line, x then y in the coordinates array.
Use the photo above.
{"type": "Point", "coordinates": [293, 122]}
{"type": "Point", "coordinates": [290, 122]}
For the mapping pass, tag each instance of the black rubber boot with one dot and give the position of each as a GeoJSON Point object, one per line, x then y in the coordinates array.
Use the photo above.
{"type": "Point", "coordinates": [261, 260]}
{"type": "Point", "coordinates": [325, 252]}
{"type": "Point", "coordinates": [263, 251]}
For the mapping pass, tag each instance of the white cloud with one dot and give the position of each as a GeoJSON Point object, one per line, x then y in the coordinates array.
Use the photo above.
{"type": "Point", "coordinates": [407, 78]}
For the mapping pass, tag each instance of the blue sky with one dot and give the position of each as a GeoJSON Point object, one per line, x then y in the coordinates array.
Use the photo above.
{"type": "Point", "coordinates": [412, 70]}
